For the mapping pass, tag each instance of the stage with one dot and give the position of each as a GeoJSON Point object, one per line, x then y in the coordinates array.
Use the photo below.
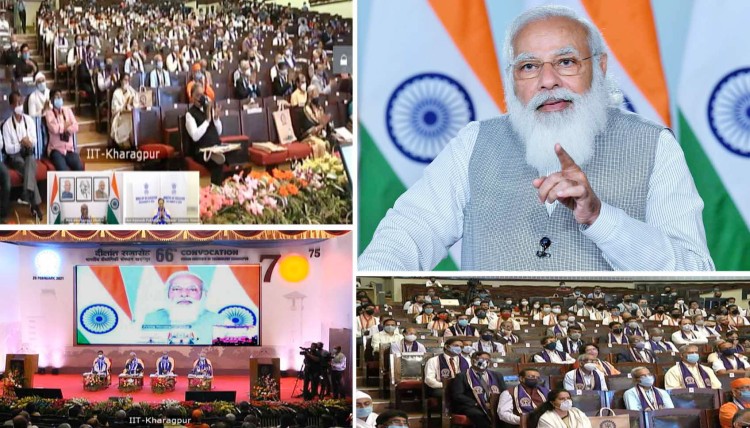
{"type": "Point", "coordinates": [72, 387]}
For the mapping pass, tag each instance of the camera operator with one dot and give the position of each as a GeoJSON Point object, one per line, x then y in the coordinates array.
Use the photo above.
{"type": "Point", "coordinates": [338, 367]}
{"type": "Point", "coordinates": [312, 372]}
{"type": "Point", "coordinates": [325, 371]}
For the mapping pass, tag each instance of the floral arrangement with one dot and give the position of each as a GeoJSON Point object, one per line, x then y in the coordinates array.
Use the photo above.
{"type": "Point", "coordinates": [94, 382]}
{"type": "Point", "coordinates": [130, 384]}
{"type": "Point", "coordinates": [162, 384]}
{"type": "Point", "coordinates": [267, 389]}
{"type": "Point", "coordinates": [59, 407]}
{"type": "Point", "coordinates": [199, 383]}
{"type": "Point", "coordinates": [312, 192]}
{"type": "Point", "coordinates": [11, 380]}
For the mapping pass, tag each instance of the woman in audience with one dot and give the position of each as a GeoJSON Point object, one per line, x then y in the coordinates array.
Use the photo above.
{"type": "Point", "coordinates": [299, 96]}
{"type": "Point", "coordinates": [124, 100]}
{"type": "Point", "coordinates": [536, 312]}
{"type": "Point", "coordinates": [440, 322]}
{"type": "Point", "coordinates": [523, 308]}
{"type": "Point", "coordinates": [601, 365]}
{"type": "Point", "coordinates": [425, 316]}
{"type": "Point", "coordinates": [39, 99]}
{"type": "Point", "coordinates": [558, 412]}
{"type": "Point", "coordinates": [62, 126]}
{"type": "Point", "coordinates": [314, 123]}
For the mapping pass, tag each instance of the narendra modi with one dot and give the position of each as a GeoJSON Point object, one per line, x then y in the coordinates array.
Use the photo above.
{"type": "Point", "coordinates": [567, 180]}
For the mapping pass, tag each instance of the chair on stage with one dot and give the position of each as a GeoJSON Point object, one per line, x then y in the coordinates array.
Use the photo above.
{"type": "Point", "coordinates": [163, 381]}
{"type": "Point", "coordinates": [131, 382]}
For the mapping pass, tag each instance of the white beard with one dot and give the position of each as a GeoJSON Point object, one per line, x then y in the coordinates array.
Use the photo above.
{"type": "Point", "coordinates": [574, 127]}
{"type": "Point", "coordinates": [185, 314]}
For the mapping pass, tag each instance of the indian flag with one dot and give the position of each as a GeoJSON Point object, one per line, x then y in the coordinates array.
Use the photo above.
{"type": "Point", "coordinates": [430, 68]}
{"type": "Point", "coordinates": [633, 57]}
{"type": "Point", "coordinates": [714, 119]}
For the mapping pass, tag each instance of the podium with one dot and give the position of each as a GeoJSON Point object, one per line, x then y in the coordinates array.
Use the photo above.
{"type": "Point", "coordinates": [25, 364]}
{"type": "Point", "coordinates": [260, 367]}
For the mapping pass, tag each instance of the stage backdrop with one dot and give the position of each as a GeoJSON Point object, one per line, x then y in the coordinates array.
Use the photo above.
{"type": "Point", "coordinates": [305, 291]}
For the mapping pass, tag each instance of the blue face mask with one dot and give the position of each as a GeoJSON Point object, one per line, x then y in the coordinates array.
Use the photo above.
{"type": "Point", "coordinates": [455, 350]}
{"type": "Point", "coordinates": [58, 103]}
{"type": "Point", "coordinates": [364, 412]}
{"type": "Point", "coordinates": [463, 323]}
{"type": "Point", "coordinates": [25, 56]}
{"type": "Point", "coordinates": [745, 395]}
{"type": "Point", "coordinates": [693, 358]}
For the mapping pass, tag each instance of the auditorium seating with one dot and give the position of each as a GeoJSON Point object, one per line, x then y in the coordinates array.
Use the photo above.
{"type": "Point", "coordinates": [401, 384]}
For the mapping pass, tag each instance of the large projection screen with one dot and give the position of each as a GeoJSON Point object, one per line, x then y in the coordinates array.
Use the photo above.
{"type": "Point", "coordinates": [168, 305]}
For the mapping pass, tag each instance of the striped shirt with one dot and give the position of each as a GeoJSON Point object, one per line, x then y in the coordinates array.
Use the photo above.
{"type": "Point", "coordinates": [428, 218]}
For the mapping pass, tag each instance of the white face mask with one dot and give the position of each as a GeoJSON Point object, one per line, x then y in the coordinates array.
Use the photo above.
{"type": "Point", "coordinates": [566, 405]}
{"type": "Point", "coordinates": [18, 110]}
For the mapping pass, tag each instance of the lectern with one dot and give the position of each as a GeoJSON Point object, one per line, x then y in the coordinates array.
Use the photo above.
{"type": "Point", "coordinates": [260, 367]}
{"type": "Point", "coordinates": [25, 365]}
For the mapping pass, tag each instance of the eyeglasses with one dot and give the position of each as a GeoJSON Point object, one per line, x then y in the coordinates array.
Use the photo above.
{"type": "Point", "coordinates": [565, 66]}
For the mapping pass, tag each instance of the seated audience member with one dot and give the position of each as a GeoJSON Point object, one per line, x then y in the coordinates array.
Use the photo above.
{"type": "Point", "coordinates": [299, 96]}
{"type": "Point", "coordinates": [586, 377]}
{"type": "Point", "coordinates": [680, 304]}
{"type": "Point", "coordinates": [108, 78]}
{"type": "Point", "coordinates": [572, 343]}
{"type": "Point", "coordinates": [658, 314]}
{"type": "Point", "coordinates": [461, 328]}
{"type": "Point", "coordinates": [702, 328]}
{"type": "Point", "coordinates": [560, 328]}
{"type": "Point", "coordinates": [246, 87]}
{"type": "Point", "coordinates": [366, 320]}
{"type": "Point", "coordinates": [175, 62]}
{"type": "Point", "coordinates": [613, 316]}
{"type": "Point", "coordinates": [18, 144]}
{"type": "Point", "coordinates": [735, 316]}
{"type": "Point", "coordinates": [444, 366]}
{"type": "Point", "coordinates": [522, 398]}
{"type": "Point", "coordinates": [481, 317]}
{"type": "Point", "coordinates": [25, 66]}
{"type": "Point", "coordinates": [644, 395]}
{"type": "Point", "coordinates": [486, 343]}
{"type": "Point", "coordinates": [134, 59]}
{"type": "Point", "coordinates": [675, 315]}
{"type": "Point", "coordinates": [686, 335]}
{"type": "Point", "coordinates": [634, 328]}
{"type": "Point", "coordinates": [733, 337]}
{"type": "Point", "coordinates": [558, 412]}
{"type": "Point", "coordinates": [159, 77]}
{"type": "Point", "coordinates": [627, 305]}
{"type": "Point", "coordinates": [200, 76]}
{"type": "Point", "coordinates": [408, 343]}
{"type": "Point", "coordinates": [470, 390]}
{"type": "Point", "coordinates": [320, 79]}
{"type": "Point", "coordinates": [39, 99]}
{"type": "Point", "coordinates": [426, 315]}
{"type": "Point", "coordinates": [657, 342]}
{"type": "Point", "coordinates": [62, 127]}
{"type": "Point", "coordinates": [11, 55]}
{"type": "Point", "coordinates": [574, 321]}
{"type": "Point", "coordinates": [643, 312]}
{"type": "Point", "coordinates": [281, 85]}
{"type": "Point", "coordinates": [506, 315]}
{"type": "Point", "coordinates": [603, 366]}
{"type": "Point", "coordinates": [551, 318]}
{"type": "Point", "coordinates": [689, 373]}
{"type": "Point", "coordinates": [416, 307]}
{"type": "Point", "coordinates": [695, 309]}
{"type": "Point", "coordinates": [740, 402]}
{"type": "Point", "coordinates": [616, 335]}
{"type": "Point", "coordinates": [365, 417]}
{"type": "Point", "coordinates": [124, 101]}
{"type": "Point", "coordinates": [636, 352]}
{"type": "Point", "coordinates": [386, 337]}
{"type": "Point", "coordinates": [392, 418]}
{"type": "Point", "coordinates": [203, 124]}
{"type": "Point", "coordinates": [314, 123]}
{"type": "Point", "coordinates": [550, 354]}
{"type": "Point", "coordinates": [728, 361]}
{"type": "Point", "coordinates": [505, 334]}
{"type": "Point", "coordinates": [440, 322]}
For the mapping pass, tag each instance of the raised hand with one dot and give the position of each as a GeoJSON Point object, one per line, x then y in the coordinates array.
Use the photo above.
{"type": "Point", "coordinates": [571, 187]}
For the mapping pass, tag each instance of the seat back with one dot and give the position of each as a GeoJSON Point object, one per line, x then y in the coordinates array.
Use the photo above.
{"type": "Point", "coordinates": [221, 91]}
{"type": "Point", "coordinates": [676, 418]}
{"type": "Point", "coordinates": [230, 122]}
{"type": "Point", "coordinates": [407, 366]}
{"type": "Point", "coordinates": [147, 126]}
{"type": "Point", "coordinates": [170, 114]}
{"type": "Point", "coordinates": [170, 95]}
{"type": "Point", "coordinates": [589, 402]}
{"type": "Point", "coordinates": [255, 125]}
{"type": "Point", "coordinates": [695, 398]}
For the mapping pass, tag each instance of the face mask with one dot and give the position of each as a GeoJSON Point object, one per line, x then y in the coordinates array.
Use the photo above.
{"type": "Point", "coordinates": [676, 315]}
{"type": "Point", "coordinates": [646, 381]}
{"type": "Point", "coordinates": [745, 395]}
{"type": "Point", "coordinates": [463, 322]}
{"type": "Point", "coordinates": [579, 303]}
{"type": "Point", "coordinates": [597, 291]}
{"type": "Point", "coordinates": [547, 310]}
{"type": "Point", "coordinates": [203, 358]}
{"type": "Point", "coordinates": [600, 308]}
{"type": "Point", "coordinates": [25, 56]}
{"type": "Point", "coordinates": [657, 338]}
{"type": "Point", "coordinates": [680, 302]}
{"type": "Point", "coordinates": [199, 76]}
{"type": "Point", "coordinates": [486, 337]}
{"type": "Point", "coordinates": [18, 110]}
{"type": "Point", "coordinates": [616, 330]}
{"type": "Point", "coordinates": [481, 315]}
{"type": "Point", "coordinates": [640, 345]}
{"type": "Point", "coordinates": [692, 358]}
{"type": "Point", "coordinates": [660, 311]}
{"type": "Point", "coordinates": [589, 367]}
{"type": "Point", "coordinates": [101, 357]}
{"type": "Point", "coordinates": [735, 311]}
{"type": "Point", "coordinates": [159, 64]}
{"type": "Point", "coordinates": [563, 323]}
{"type": "Point", "coordinates": [729, 352]}
{"type": "Point", "coordinates": [505, 316]}
{"type": "Point", "coordinates": [428, 310]}
{"type": "Point", "coordinates": [410, 337]}
{"type": "Point", "coordinates": [477, 302]}
{"type": "Point", "coordinates": [455, 350]}
{"type": "Point", "coordinates": [389, 328]}
{"type": "Point", "coordinates": [686, 327]}
{"type": "Point", "coordinates": [58, 103]}
{"type": "Point", "coordinates": [364, 412]}
{"type": "Point", "coordinates": [524, 302]}
{"type": "Point", "coordinates": [508, 302]}
{"type": "Point", "coordinates": [575, 336]}
{"type": "Point", "coordinates": [42, 86]}
{"type": "Point", "coordinates": [700, 323]}
{"type": "Point", "coordinates": [482, 364]}
{"type": "Point", "coordinates": [467, 350]}
{"type": "Point", "coordinates": [531, 383]}
{"type": "Point", "coordinates": [571, 320]}
{"type": "Point", "coordinates": [370, 311]}
{"type": "Point", "coordinates": [551, 346]}
{"type": "Point", "coordinates": [556, 310]}
{"type": "Point", "coordinates": [615, 313]}
{"type": "Point", "coordinates": [566, 405]}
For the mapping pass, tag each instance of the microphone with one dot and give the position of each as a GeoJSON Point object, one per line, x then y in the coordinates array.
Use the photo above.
{"type": "Point", "coordinates": [544, 243]}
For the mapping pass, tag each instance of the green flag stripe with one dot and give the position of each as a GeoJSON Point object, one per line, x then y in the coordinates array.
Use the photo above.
{"type": "Point", "coordinates": [726, 231]}
{"type": "Point", "coordinates": [82, 339]}
{"type": "Point", "coordinates": [379, 187]}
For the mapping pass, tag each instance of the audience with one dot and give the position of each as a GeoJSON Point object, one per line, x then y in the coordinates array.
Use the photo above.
{"type": "Point", "coordinates": [62, 126]}
{"type": "Point", "coordinates": [644, 395]}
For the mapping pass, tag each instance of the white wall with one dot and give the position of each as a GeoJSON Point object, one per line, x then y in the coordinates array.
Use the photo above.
{"type": "Point", "coordinates": [10, 321]}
